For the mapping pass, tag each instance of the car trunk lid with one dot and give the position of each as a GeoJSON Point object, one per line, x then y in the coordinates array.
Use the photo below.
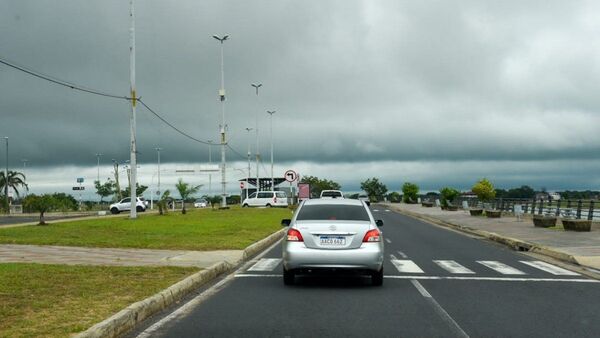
{"type": "Point", "coordinates": [332, 235]}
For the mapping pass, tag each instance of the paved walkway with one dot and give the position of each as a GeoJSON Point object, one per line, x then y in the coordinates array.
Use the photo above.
{"type": "Point", "coordinates": [120, 257]}
{"type": "Point", "coordinates": [583, 246]}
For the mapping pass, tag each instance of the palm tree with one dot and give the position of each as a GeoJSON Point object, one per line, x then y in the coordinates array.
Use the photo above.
{"type": "Point", "coordinates": [15, 181]}
{"type": "Point", "coordinates": [185, 191]}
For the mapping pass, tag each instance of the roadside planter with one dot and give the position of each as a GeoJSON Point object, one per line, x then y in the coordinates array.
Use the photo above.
{"type": "Point", "coordinates": [476, 211]}
{"type": "Point", "coordinates": [451, 208]}
{"type": "Point", "coordinates": [493, 213]}
{"type": "Point", "coordinates": [427, 204]}
{"type": "Point", "coordinates": [577, 224]}
{"type": "Point", "coordinates": [544, 221]}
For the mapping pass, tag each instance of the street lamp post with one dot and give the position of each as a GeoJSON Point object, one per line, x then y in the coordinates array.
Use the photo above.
{"type": "Point", "coordinates": [248, 177]}
{"type": "Point", "coordinates": [272, 178]}
{"type": "Point", "coordinates": [158, 149]}
{"type": "Point", "coordinates": [210, 164]}
{"type": "Point", "coordinates": [24, 168]}
{"type": "Point", "coordinates": [256, 86]}
{"type": "Point", "coordinates": [98, 166]}
{"type": "Point", "coordinates": [222, 97]}
{"type": "Point", "coordinates": [6, 177]}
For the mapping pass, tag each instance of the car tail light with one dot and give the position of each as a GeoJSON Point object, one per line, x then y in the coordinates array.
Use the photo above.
{"type": "Point", "coordinates": [294, 235]}
{"type": "Point", "coordinates": [371, 236]}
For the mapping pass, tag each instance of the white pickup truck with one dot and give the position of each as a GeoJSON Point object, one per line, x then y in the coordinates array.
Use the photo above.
{"type": "Point", "coordinates": [331, 194]}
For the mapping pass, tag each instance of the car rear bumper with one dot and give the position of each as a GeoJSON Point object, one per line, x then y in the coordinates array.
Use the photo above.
{"type": "Point", "coordinates": [297, 256]}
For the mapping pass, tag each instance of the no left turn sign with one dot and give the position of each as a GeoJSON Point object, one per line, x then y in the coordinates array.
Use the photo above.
{"type": "Point", "coordinates": [291, 176]}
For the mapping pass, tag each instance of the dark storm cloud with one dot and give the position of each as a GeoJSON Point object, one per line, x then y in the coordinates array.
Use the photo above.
{"type": "Point", "coordinates": [352, 81]}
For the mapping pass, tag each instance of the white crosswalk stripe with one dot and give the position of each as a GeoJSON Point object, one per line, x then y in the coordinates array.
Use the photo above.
{"type": "Point", "coordinates": [265, 264]}
{"type": "Point", "coordinates": [555, 270]}
{"type": "Point", "coordinates": [406, 266]}
{"type": "Point", "coordinates": [501, 268]}
{"type": "Point", "coordinates": [453, 267]}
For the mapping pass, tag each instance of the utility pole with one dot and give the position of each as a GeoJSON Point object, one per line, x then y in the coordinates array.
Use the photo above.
{"type": "Point", "coordinates": [272, 177]}
{"type": "Point", "coordinates": [256, 86]}
{"type": "Point", "coordinates": [223, 127]}
{"type": "Point", "coordinates": [158, 149]}
{"type": "Point", "coordinates": [117, 184]}
{"type": "Point", "coordinates": [6, 178]}
{"type": "Point", "coordinates": [248, 177]}
{"type": "Point", "coordinates": [210, 164]}
{"type": "Point", "coordinates": [98, 166]}
{"type": "Point", "coordinates": [132, 124]}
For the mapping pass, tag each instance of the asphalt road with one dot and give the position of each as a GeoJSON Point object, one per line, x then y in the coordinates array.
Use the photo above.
{"type": "Point", "coordinates": [486, 290]}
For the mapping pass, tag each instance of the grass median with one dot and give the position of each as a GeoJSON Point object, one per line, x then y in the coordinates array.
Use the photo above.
{"type": "Point", "coordinates": [200, 229]}
{"type": "Point", "coordinates": [39, 300]}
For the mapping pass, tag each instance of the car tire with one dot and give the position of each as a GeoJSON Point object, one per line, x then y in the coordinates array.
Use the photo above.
{"type": "Point", "coordinates": [268, 205]}
{"type": "Point", "coordinates": [139, 209]}
{"type": "Point", "coordinates": [377, 278]}
{"type": "Point", "coordinates": [368, 204]}
{"type": "Point", "coordinates": [114, 211]}
{"type": "Point", "coordinates": [245, 205]}
{"type": "Point", "coordinates": [288, 277]}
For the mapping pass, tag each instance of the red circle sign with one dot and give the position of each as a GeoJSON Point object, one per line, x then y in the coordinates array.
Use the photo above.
{"type": "Point", "coordinates": [241, 185]}
{"type": "Point", "coordinates": [290, 176]}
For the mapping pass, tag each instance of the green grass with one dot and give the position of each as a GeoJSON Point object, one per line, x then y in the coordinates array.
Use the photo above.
{"type": "Point", "coordinates": [58, 300]}
{"type": "Point", "coordinates": [204, 229]}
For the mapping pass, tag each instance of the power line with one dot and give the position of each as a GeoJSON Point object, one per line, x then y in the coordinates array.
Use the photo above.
{"type": "Point", "coordinates": [235, 151]}
{"type": "Point", "coordinates": [61, 82]}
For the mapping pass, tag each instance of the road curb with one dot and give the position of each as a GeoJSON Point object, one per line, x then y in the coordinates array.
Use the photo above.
{"type": "Point", "coordinates": [515, 244]}
{"type": "Point", "coordinates": [128, 318]}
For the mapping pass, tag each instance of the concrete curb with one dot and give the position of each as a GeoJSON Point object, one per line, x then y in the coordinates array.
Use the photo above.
{"type": "Point", "coordinates": [516, 244]}
{"type": "Point", "coordinates": [126, 319]}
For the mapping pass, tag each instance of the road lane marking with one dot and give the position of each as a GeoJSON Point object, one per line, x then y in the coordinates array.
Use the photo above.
{"type": "Point", "coordinates": [376, 210]}
{"type": "Point", "coordinates": [402, 254]}
{"type": "Point", "coordinates": [388, 240]}
{"type": "Point", "coordinates": [452, 324]}
{"type": "Point", "coordinates": [453, 267]}
{"type": "Point", "coordinates": [406, 266]}
{"type": "Point", "coordinates": [387, 210]}
{"type": "Point", "coordinates": [265, 264]}
{"type": "Point", "coordinates": [460, 278]}
{"type": "Point", "coordinates": [501, 268]}
{"type": "Point", "coordinates": [555, 270]}
{"type": "Point", "coordinates": [186, 308]}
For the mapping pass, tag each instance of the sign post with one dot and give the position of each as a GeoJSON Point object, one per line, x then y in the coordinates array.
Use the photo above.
{"type": "Point", "coordinates": [80, 181]}
{"type": "Point", "coordinates": [291, 176]}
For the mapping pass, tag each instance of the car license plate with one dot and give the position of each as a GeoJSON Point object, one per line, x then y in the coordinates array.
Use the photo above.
{"type": "Point", "coordinates": [333, 240]}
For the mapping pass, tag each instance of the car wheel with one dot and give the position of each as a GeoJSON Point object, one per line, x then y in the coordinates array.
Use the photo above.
{"type": "Point", "coordinates": [139, 209]}
{"type": "Point", "coordinates": [377, 278]}
{"type": "Point", "coordinates": [245, 205]}
{"type": "Point", "coordinates": [368, 204]}
{"type": "Point", "coordinates": [268, 205]}
{"type": "Point", "coordinates": [288, 277]}
{"type": "Point", "coordinates": [114, 211]}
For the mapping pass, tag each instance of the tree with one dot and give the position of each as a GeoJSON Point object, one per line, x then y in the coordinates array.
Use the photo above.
{"type": "Point", "coordinates": [317, 185]}
{"type": "Point", "coordinates": [139, 190]}
{"type": "Point", "coordinates": [14, 181]}
{"type": "Point", "coordinates": [410, 191]}
{"type": "Point", "coordinates": [163, 202]}
{"type": "Point", "coordinates": [484, 189]}
{"type": "Point", "coordinates": [40, 204]}
{"type": "Point", "coordinates": [374, 189]}
{"type": "Point", "coordinates": [65, 202]}
{"type": "Point", "coordinates": [448, 195]}
{"type": "Point", "coordinates": [394, 197]}
{"type": "Point", "coordinates": [106, 189]}
{"type": "Point", "coordinates": [214, 200]}
{"type": "Point", "coordinates": [185, 191]}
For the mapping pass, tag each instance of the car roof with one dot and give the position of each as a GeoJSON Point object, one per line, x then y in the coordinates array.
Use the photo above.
{"type": "Point", "coordinates": [334, 201]}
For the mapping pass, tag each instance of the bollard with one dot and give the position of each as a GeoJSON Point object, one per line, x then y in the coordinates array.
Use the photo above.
{"type": "Point", "coordinates": [526, 206]}
{"type": "Point", "coordinates": [579, 209]}
{"type": "Point", "coordinates": [557, 208]}
{"type": "Point", "coordinates": [533, 206]}
{"type": "Point", "coordinates": [541, 207]}
{"type": "Point", "coordinates": [591, 211]}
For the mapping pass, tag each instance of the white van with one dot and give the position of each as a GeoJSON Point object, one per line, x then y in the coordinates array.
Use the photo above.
{"type": "Point", "coordinates": [266, 199]}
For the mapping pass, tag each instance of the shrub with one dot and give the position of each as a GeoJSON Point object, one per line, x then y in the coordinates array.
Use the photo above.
{"type": "Point", "coordinates": [410, 191]}
{"type": "Point", "coordinates": [448, 195]}
{"type": "Point", "coordinates": [484, 189]}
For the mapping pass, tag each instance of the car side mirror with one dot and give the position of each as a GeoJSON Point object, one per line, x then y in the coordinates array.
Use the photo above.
{"type": "Point", "coordinates": [286, 222]}
{"type": "Point", "coordinates": [379, 222]}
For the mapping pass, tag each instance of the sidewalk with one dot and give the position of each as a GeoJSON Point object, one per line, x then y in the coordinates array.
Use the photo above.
{"type": "Point", "coordinates": [579, 247]}
{"type": "Point", "coordinates": [12, 253]}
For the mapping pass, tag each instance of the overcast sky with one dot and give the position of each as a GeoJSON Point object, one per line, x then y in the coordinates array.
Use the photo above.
{"type": "Point", "coordinates": [434, 92]}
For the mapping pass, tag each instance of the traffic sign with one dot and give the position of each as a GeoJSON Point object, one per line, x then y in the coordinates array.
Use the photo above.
{"type": "Point", "coordinates": [80, 180]}
{"type": "Point", "coordinates": [291, 176]}
{"type": "Point", "coordinates": [78, 188]}
{"type": "Point", "coordinates": [242, 185]}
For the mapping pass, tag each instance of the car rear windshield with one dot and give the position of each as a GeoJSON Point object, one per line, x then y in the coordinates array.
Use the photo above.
{"type": "Point", "coordinates": [331, 194]}
{"type": "Point", "coordinates": [333, 212]}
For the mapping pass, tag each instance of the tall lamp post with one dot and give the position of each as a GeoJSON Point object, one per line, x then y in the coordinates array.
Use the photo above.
{"type": "Point", "coordinates": [272, 178]}
{"type": "Point", "coordinates": [158, 149]}
{"type": "Point", "coordinates": [24, 160]}
{"type": "Point", "coordinates": [248, 177]}
{"type": "Point", "coordinates": [98, 166]}
{"type": "Point", "coordinates": [132, 122]}
{"type": "Point", "coordinates": [222, 97]}
{"type": "Point", "coordinates": [210, 164]}
{"type": "Point", "coordinates": [6, 177]}
{"type": "Point", "coordinates": [256, 86]}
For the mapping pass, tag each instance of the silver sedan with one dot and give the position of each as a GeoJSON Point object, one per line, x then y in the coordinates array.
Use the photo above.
{"type": "Point", "coordinates": [333, 234]}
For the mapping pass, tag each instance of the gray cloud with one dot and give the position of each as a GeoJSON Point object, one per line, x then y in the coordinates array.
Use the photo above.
{"type": "Point", "coordinates": [352, 81]}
